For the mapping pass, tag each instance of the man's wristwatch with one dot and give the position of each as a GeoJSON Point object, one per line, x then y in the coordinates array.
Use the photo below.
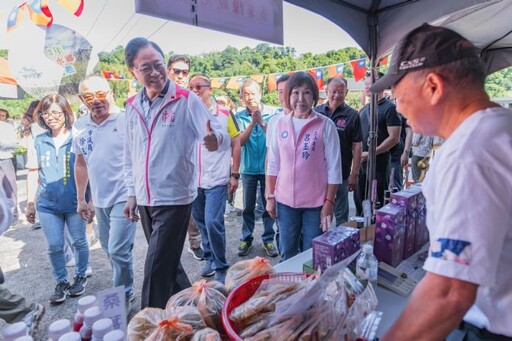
{"type": "Point", "coordinates": [235, 175]}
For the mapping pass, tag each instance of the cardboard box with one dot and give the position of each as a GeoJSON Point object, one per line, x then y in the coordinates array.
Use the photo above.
{"type": "Point", "coordinates": [366, 234]}
{"type": "Point", "coordinates": [390, 234]}
{"type": "Point", "coordinates": [333, 246]}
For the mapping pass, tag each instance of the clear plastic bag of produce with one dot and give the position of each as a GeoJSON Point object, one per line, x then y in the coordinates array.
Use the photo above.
{"type": "Point", "coordinates": [207, 334]}
{"type": "Point", "coordinates": [334, 307]}
{"type": "Point", "coordinates": [207, 297]}
{"type": "Point", "coordinates": [247, 269]}
{"type": "Point", "coordinates": [154, 324]}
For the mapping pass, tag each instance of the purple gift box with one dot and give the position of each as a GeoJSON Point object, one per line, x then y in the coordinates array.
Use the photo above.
{"type": "Point", "coordinates": [408, 200]}
{"type": "Point", "coordinates": [422, 234]}
{"type": "Point", "coordinates": [333, 246]}
{"type": "Point", "coordinates": [390, 234]}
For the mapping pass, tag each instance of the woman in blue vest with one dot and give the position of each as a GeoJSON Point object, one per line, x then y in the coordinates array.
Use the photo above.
{"type": "Point", "coordinates": [56, 194]}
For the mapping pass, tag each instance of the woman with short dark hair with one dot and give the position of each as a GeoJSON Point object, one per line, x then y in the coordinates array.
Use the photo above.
{"type": "Point", "coordinates": [304, 168]}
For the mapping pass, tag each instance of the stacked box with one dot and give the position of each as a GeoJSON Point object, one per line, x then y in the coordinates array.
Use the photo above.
{"type": "Point", "coordinates": [422, 234]}
{"type": "Point", "coordinates": [334, 246]}
{"type": "Point", "coordinates": [390, 234]}
{"type": "Point", "coordinates": [409, 201]}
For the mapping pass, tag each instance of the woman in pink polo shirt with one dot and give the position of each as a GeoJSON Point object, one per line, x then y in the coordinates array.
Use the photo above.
{"type": "Point", "coordinates": [304, 168]}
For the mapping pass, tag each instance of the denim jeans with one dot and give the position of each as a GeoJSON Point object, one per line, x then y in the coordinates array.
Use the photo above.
{"type": "Point", "coordinates": [398, 175]}
{"type": "Point", "coordinates": [208, 212]}
{"type": "Point", "coordinates": [53, 228]}
{"type": "Point", "coordinates": [294, 223]}
{"type": "Point", "coordinates": [116, 238]}
{"type": "Point", "coordinates": [341, 203]}
{"type": "Point", "coordinates": [250, 185]}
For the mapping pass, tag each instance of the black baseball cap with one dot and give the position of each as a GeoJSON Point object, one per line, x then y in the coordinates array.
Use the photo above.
{"type": "Point", "coordinates": [425, 47]}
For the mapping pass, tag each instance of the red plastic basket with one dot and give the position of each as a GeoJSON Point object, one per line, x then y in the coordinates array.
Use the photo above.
{"type": "Point", "coordinates": [244, 292]}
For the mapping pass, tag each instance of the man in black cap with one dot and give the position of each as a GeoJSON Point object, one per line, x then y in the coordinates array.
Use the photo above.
{"type": "Point", "coordinates": [438, 80]}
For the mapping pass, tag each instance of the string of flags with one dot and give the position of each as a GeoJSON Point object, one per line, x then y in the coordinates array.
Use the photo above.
{"type": "Point", "coordinates": [334, 70]}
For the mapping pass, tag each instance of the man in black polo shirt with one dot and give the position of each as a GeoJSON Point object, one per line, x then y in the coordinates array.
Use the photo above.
{"type": "Point", "coordinates": [348, 125]}
{"type": "Point", "coordinates": [388, 134]}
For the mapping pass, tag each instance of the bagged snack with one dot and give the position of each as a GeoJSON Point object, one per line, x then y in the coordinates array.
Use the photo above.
{"type": "Point", "coordinates": [153, 324]}
{"type": "Point", "coordinates": [247, 269]}
{"type": "Point", "coordinates": [207, 334]}
{"type": "Point", "coordinates": [206, 298]}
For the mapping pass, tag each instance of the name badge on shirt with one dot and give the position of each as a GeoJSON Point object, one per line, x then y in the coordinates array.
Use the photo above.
{"type": "Point", "coordinates": [168, 118]}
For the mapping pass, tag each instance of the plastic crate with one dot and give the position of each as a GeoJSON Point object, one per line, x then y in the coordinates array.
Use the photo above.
{"type": "Point", "coordinates": [244, 292]}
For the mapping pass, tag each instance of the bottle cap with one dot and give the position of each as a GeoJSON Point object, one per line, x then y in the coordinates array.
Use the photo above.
{"type": "Point", "coordinates": [92, 315]}
{"type": "Point", "coordinates": [86, 302]}
{"type": "Point", "coordinates": [114, 335]}
{"type": "Point", "coordinates": [25, 338]}
{"type": "Point", "coordinates": [367, 248]}
{"type": "Point", "coordinates": [71, 336]}
{"type": "Point", "coordinates": [102, 327]}
{"type": "Point", "coordinates": [59, 328]}
{"type": "Point", "coordinates": [15, 330]}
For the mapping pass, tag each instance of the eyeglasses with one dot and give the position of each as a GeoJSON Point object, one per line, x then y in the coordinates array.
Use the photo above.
{"type": "Point", "coordinates": [147, 69]}
{"type": "Point", "coordinates": [198, 87]}
{"type": "Point", "coordinates": [53, 113]}
{"type": "Point", "coordinates": [182, 71]}
{"type": "Point", "coordinates": [89, 97]}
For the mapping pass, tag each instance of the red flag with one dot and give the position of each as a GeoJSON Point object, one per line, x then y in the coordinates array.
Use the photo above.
{"type": "Point", "coordinates": [359, 68]}
{"type": "Point", "coordinates": [107, 74]}
{"type": "Point", "coordinates": [318, 76]}
{"type": "Point", "coordinates": [384, 61]}
{"type": "Point", "coordinates": [271, 82]}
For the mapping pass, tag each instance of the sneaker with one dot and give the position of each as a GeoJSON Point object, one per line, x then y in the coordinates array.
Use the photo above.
{"type": "Point", "coordinates": [197, 253]}
{"type": "Point", "coordinates": [61, 292]}
{"type": "Point", "coordinates": [220, 276]}
{"type": "Point", "coordinates": [207, 270]}
{"type": "Point", "coordinates": [270, 249]}
{"type": "Point", "coordinates": [88, 272]}
{"type": "Point", "coordinates": [78, 286]}
{"type": "Point", "coordinates": [36, 225]}
{"type": "Point", "coordinates": [244, 248]}
{"type": "Point", "coordinates": [33, 317]}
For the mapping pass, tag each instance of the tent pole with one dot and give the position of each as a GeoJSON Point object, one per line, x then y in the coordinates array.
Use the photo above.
{"type": "Point", "coordinates": [372, 137]}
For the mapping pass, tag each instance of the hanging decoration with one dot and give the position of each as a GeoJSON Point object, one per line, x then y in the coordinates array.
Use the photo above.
{"type": "Point", "coordinates": [40, 13]}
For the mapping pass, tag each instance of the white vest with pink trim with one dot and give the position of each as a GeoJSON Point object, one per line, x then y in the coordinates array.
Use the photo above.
{"type": "Point", "coordinates": [302, 179]}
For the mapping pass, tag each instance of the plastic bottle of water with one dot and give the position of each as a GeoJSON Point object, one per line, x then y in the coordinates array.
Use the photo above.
{"type": "Point", "coordinates": [367, 265]}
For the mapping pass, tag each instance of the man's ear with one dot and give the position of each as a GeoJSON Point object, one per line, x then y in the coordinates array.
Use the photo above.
{"type": "Point", "coordinates": [133, 74]}
{"type": "Point", "coordinates": [82, 99]}
{"type": "Point", "coordinates": [434, 87]}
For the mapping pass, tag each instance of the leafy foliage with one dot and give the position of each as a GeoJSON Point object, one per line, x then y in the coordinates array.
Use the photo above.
{"type": "Point", "coordinates": [263, 59]}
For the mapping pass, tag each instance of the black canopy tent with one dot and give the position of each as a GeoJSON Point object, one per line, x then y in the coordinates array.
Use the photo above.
{"type": "Point", "coordinates": [377, 25]}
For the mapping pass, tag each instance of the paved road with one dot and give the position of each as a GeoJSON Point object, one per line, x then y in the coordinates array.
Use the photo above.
{"type": "Point", "coordinates": [24, 260]}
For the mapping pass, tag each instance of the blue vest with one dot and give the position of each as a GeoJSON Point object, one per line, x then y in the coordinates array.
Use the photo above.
{"type": "Point", "coordinates": [57, 187]}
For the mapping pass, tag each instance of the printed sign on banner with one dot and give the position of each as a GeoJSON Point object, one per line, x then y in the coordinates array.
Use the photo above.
{"type": "Point", "coordinates": [112, 303]}
{"type": "Point", "coordinates": [262, 19]}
